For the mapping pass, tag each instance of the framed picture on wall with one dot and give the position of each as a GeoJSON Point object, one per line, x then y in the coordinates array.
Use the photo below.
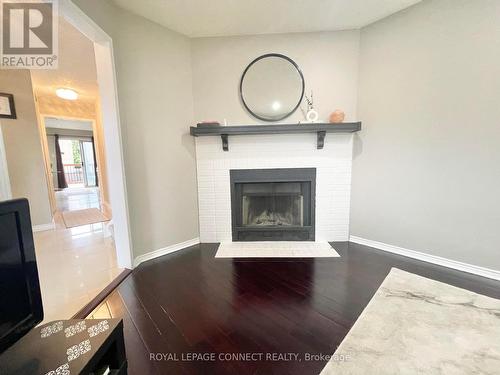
{"type": "Point", "coordinates": [7, 109]}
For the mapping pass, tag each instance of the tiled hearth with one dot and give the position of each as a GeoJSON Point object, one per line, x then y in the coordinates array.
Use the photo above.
{"type": "Point", "coordinates": [333, 166]}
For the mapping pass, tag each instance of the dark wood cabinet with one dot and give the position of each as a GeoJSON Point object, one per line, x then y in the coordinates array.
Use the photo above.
{"type": "Point", "coordinates": [66, 347]}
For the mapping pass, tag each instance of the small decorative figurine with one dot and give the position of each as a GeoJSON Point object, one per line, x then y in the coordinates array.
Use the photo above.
{"type": "Point", "coordinates": [312, 114]}
{"type": "Point", "coordinates": [337, 116]}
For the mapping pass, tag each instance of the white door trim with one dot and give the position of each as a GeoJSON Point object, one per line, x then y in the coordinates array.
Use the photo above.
{"type": "Point", "coordinates": [5, 190]}
{"type": "Point", "coordinates": [106, 79]}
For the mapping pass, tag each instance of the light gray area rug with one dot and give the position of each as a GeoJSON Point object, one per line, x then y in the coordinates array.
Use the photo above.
{"type": "Point", "coordinates": [83, 217]}
{"type": "Point", "coordinates": [276, 249]}
{"type": "Point", "coordinates": [414, 325]}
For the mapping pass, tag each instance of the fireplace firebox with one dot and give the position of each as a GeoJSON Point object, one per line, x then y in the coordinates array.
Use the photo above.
{"type": "Point", "coordinates": [273, 204]}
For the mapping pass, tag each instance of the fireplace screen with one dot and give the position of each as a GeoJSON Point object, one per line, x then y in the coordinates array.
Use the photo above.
{"type": "Point", "coordinates": [273, 204]}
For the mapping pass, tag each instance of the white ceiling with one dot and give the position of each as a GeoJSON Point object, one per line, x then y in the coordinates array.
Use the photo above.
{"type": "Point", "coordinates": [202, 18]}
{"type": "Point", "coordinates": [76, 67]}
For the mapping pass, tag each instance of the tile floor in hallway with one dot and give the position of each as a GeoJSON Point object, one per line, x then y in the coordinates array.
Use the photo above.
{"type": "Point", "coordinates": [74, 264]}
{"type": "Point", "coordinates": [77, 198]}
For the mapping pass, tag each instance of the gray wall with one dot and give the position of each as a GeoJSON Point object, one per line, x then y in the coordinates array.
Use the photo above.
{"type": "Point", "coordinates": [156, 109]}
{"type": "Point", "coordinates": [23, 146]}
{"type": "Point", "coordinates": [427, 166]}
{"type": "Point", "coordinates": [328, 60]}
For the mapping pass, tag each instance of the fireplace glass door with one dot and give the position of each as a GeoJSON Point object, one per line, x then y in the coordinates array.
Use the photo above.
{"type": "Point", "coordinates": [273, 204]}
{"type": "Point", "coordinates": [273, 210]}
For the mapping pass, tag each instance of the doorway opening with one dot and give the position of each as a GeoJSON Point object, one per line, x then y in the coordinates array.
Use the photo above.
{"type": "Point", "coordinates": [73, 164]}
{"type": "Point", "coordinates": [79, 165]}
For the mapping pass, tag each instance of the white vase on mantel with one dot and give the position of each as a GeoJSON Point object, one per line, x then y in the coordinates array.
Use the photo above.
{"type": "Point", "coordinates": [312, 115]}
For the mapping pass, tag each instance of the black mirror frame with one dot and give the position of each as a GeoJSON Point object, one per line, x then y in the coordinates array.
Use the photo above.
{"type": "Point", "coordinates": [263, 57]}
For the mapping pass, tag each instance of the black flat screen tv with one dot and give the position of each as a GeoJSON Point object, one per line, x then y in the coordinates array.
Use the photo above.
{"type": "Point", "coordinates": [20, 297]}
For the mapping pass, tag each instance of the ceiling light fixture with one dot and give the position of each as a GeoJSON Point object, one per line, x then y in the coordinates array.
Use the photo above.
{"type": "Point", "coordinates": [67, 94]}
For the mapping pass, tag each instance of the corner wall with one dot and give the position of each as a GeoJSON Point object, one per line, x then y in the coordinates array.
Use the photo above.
{"type": "Point", "coordinates": [427, 162]}
{"type": "Point", "coordinates": [153, 67]}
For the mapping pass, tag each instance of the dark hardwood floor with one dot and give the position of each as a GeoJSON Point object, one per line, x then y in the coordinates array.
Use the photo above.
{"type": "Point", "coordinates": [190, 302]}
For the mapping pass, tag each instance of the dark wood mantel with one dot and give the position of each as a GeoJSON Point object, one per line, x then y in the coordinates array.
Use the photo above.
{"type": "Point", "coordinates": [319, 128]}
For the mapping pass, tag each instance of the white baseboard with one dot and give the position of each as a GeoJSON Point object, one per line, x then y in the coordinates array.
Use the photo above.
{"type": "Point", "coordinates": [42, 227]}
{"type": "Point", "coordinates": [465, 267]}
{"type": "Point", "coordinates": [165, 251]}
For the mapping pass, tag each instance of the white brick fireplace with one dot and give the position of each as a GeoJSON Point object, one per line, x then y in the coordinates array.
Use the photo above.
{"type": "Point", "coordinates": [333, 166]}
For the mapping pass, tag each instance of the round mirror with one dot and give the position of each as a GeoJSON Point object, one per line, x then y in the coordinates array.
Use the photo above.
{"type": "Point", "coordinates": [272, 87]}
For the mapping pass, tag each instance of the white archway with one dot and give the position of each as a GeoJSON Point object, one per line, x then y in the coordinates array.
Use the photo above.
{"type": "Point", "coordinates": [106, 78]}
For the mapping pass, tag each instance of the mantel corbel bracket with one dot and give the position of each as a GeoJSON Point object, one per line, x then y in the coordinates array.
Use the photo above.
{"type": "Point", "coordinates": [321, 139]}
{"type": "Point", "coordinates": [225, 142]}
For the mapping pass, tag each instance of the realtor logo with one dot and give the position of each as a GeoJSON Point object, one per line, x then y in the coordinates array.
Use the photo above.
{"type": "Point", "coordinates": [29, 34]}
